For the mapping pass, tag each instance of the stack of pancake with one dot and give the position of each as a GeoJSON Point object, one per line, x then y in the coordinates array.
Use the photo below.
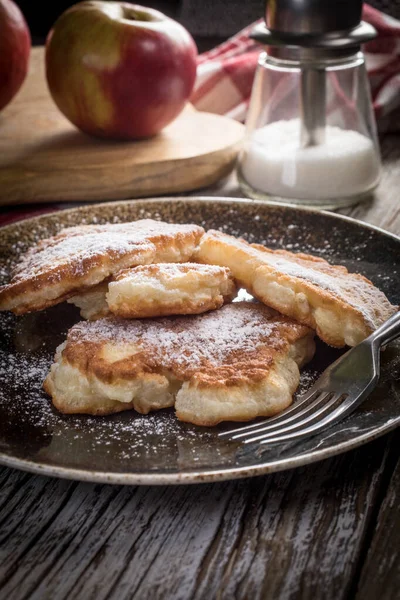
{"type": "Point", "coordinates": [161, 329]}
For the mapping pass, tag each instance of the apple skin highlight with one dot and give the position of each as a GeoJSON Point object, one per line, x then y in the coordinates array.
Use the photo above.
{"type": "Point", "coordinates": [118, 70]}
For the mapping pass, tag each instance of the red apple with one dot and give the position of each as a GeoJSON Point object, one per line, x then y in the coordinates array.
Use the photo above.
{"type": "Point", "coordinates": [119, 70]}
{"type": "Point", "coordinates": [15, 46]}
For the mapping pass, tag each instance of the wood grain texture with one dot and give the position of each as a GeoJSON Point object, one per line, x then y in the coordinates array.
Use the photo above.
{"type": "Point", "coordinates": [380, 575]}
{"type": "Point", "coordinates": [45, 158]}
{"type": "Point", "coordinates": [290, 535]}
{"type": "Point", "coordinates": [384, 208]}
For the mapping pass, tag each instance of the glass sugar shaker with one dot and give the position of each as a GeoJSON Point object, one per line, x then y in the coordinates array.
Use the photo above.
{"type": "Point", "coordinates": [310, 132]}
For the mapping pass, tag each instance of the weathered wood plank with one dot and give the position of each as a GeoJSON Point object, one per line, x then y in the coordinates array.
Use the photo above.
{"type": "Point", "coordinates": [167, 551]}
{"type": "Point", "coordinates": [302, 539]}
{"type": "Point", "coordinates": [298, 532]}
{"type": "Point", "coordinates": [32, 506]}
{"type": "Point", "coordinates": [384, 210]}
{"type": "Point", "coordinates": [380, 576]}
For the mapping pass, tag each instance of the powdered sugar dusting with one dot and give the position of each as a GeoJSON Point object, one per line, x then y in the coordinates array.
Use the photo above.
{"type": "Point", "coordinates": [22, 376]}
{"type": "Point", "coordinates": [349, 287]}
{"type": "Point", "coordinates": [77, 246]}
{"type": "Point", "coordinates": [194, 342]}
{"type": "Point", "coordinates": [160, 271]}
{"type": "Point", "coordinates": [28, 416]}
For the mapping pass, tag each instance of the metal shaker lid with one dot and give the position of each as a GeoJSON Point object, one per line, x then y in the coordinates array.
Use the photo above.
{"type": "Point", "coordinates": [312, 16]}
{"type": "Point", "coordinates": [330, 24]}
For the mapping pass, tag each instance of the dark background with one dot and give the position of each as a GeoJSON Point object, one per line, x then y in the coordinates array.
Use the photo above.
{"type": "Point", "coordinates": [209, 21]}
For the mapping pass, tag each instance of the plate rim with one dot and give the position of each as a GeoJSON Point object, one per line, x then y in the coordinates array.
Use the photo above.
{"type": "Point", "coordinates": [195, 199]}
{"type": "Point", "coordinates": [206, 475]}
{"type": "Point", "coordinates": [196, 477]}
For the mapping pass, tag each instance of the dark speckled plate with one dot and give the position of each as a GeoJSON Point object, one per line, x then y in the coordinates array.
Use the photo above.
{"type": "Point", "coordinates": [156, 449]}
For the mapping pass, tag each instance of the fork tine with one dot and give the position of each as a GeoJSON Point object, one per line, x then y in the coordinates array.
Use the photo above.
{"type": "Point", "coordinates": [343, 410]}
{"type": "Point", "coordinates": [301, 419]}
{"type": "Point", "coordinates": [302, 407]}
{"type": "Point", "coordinates": [281, 417]}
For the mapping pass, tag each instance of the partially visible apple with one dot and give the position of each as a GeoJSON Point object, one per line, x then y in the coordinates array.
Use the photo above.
{"type": "Point", "coordinates": [119, 70]}
{"type": "Point", "coordinates": [15, 46]}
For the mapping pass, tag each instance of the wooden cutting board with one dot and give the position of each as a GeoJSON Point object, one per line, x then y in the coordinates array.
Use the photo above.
{"type": "Point", "coordinates": [43, 157]}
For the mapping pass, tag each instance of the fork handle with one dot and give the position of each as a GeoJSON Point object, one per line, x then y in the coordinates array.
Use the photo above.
{"type": "Point", "coordinates": [389, 331]}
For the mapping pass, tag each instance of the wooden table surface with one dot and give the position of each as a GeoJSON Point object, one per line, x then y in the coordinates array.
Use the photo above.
{"type": "Point", "coordinates": [326, 531]}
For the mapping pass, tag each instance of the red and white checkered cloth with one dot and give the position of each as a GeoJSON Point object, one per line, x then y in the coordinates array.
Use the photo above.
{"type": "Point", "coordinates": [225, 73]}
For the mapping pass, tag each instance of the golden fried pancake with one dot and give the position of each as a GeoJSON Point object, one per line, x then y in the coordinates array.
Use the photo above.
{"type": "Point", "coordinates": [92, 303]}
{"type": "Point", "coordinates": [80, 257]}
{"type": "Point", "coordinates": [236, 363]}
{"type": "Point", "coordinates": [342, 307]}
{"type": "Point", "coordinates": [158, 290]}
{"type": "Point", "coordinates": [169, 289]}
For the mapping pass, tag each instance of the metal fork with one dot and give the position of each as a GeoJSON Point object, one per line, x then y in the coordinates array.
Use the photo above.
{"type": "Point", "coordinates": [340, 389]}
